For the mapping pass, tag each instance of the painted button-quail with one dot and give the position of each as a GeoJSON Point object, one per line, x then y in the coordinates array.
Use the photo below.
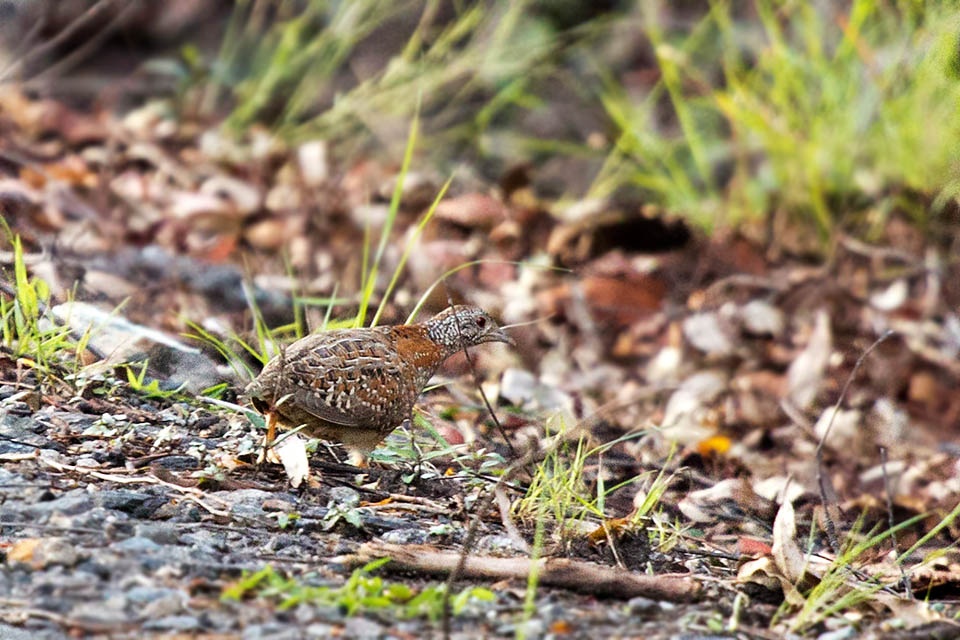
{"type": "Point", "coordinates": [355, 386]}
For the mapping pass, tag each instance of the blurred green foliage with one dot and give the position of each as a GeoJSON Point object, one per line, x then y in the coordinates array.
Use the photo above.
{"type": "Point", "coordinates": [725, 113]}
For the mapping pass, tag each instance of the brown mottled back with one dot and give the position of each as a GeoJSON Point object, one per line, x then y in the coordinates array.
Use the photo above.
{"type": "Point", "coordinates": [357, 385]}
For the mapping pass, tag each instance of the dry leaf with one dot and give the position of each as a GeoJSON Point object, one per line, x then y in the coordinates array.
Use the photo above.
{"type": "Point", "coordinates": [787, 554]}
{"type": "Point", "coordinates": [292, 451]}
{"type": "Point", "coordinates": [805, 375]}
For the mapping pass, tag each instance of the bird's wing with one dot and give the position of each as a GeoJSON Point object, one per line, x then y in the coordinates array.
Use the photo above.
{"type": "Point", "coordinates": [350, 381]}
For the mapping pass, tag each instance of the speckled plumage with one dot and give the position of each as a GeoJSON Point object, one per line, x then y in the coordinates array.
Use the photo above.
{"type": "Point", "coordinates": [355, 386]}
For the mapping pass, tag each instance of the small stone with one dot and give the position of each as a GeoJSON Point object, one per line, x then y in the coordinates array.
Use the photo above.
{"type": "Point", "coordinates": [173, 623]}
{"type": "Point", "coordinates": [344, 496]}
{"type": "Point", "coordinates": [159, 532]}
{"type": "Point", "coordinates": [245, 503]}
{"type": "Point", "coordinates": [41, 553]}
{"type": "Point", "coordinates": [849, 631]}
{"type": "Point", "coordinates": [178, 463]}
{"type": "Point", "coordinates": [15, 449]}
{"type": "Point", "coordinates": [642, 605]}
{"type": "Point", "coordinates": [71, 503]}
{"type": "Point", "coordinates": [8, 632]}
{"type": "Point", "coordinates": [709, 334]}
{"type": "Point", "coordinates": [106, 612]}
{"type": "Point", "coordinates": [275, 631]}
{"type": "Point", "coordinates": [533, 628]}
{"type": "Point", "coordinates": [362, 628]}
{"type": "Point", "coordinates": [137, 544]}
{"type": "Point", "coordinates": [315, 630]}
{"type": "Point", "coordinates": [762, 318]}
{"type": "Point", "coordinates": [210, 543]}
{"type": "Point", "coordinates": [281, 505]}
{"type": "Point", "coordinates": [9, 477]}
{"type": "Point", "coordinates": [87, 462]}
{"type": "Point", "coordinates": [409, 535]}
{"type": "Point", "coordinates": [136, 503]}
{"type": "Point", "coordinates": [498, 545]}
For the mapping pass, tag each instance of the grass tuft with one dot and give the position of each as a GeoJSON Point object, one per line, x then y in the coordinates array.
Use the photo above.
{"type": "Point", "coordinates": [815, 111]}
{"type": "Point", "coordinates": [362, 593]}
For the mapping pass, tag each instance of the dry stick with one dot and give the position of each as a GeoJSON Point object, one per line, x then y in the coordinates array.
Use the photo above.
{"type": "Point", "coordinates": [19, 610]}
{"type": "Point", "coordinates": [831, 527]}
{"type": "Point", "coordinates": [88, 45]}
{"type": "Point", "coordinates": [26, 42]}
{"type": "Point", "coordinates": [576, 575]}
{"type": "Point", "coordinates": [476, 379]}
{"type": "Point", "coordinates": [888, 489]}
{"type": "Point", "coordinates": [475, 525]}
{"type": "Point", "coordinates": [189, 493]}
{"type": "Point", "coordinates": [458, 570]}
{"type": "Point", "coordinates": [486, 402]}
{"type": "Point", "coordinates": [78, 23]}
{"type": "Point", "coordinates": [503, 503]}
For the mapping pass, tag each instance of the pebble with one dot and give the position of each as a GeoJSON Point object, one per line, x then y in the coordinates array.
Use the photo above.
{"type": "Point", "coordinates": [319, 630]}
{"type": "Point", "coordinates": [533, 628]}
{"type": "Point", "coordinates": [207, 542]}
{"type": "Point", "coordinates": [173, 623]}
{"type": "Point", "coordinates": [45, 552]}
{"type": "Point", "coordinates": [15, 448]}
{"type": "Point", "coordinates": [642, 605]}
{"type": "Point", "coordinates": [498, 545]}
{"type": "Point", "coordinates": [358, 627]}
{"type": "Point", "coordinates": [272, 631]}
{"type": "Point", "coordinates": [87, 462]}
{"type": "Point", "coordinates": [344, 496]}
{"type": "Point", "coordinates": [138, 544]}
{"type": "Point", "coordinates": [409, 535]}
{"type": "Point", "coordinates": [245, 503]}
{"type": "Point", "coordinates": [839, 634]}
{"type": "Point", "coordinates": [159, 532]}
{"type": "Point", "coordinates": [178, 463]}
{"type": "Point", "coordinates": [108, 612]}
{"type": "Point", "coordinates": [8, 477]}
{"type": "Point", "coordinates": [138, 504]}
{"type": "Point", "coordinates": [16, 633]}
{"type": "Point", "coordinates": [71, 503]}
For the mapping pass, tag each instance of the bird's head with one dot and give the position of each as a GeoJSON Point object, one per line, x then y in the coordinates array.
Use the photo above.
{"type": "Point", "coordinates": [464, 326]}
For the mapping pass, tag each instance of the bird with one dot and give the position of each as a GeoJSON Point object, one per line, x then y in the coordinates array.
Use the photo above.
{"type": "Point", "coordinates": [355, 386]}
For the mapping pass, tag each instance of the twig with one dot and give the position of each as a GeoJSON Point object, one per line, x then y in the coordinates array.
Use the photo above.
{"type": "Point", "coordinates": [476, 379]}
{"type": "Point", "coordinates": [575, 575]}
{"type": "Point", "coordinates": [888, 489]}
{"type": "Point", "coordinates": [61, 37]}
{"type": "Point", "coordinates": [189, 493]}
{"type": "Point", "coordinates": [503, 503]}
{"type": "Point", "coordinates": [90, 44]}
{"type": "Point", "coordinates": [470, 538]}
{"type": "Point", "coordinates": [822, 481]}
{"type": "Point", "coordinates": [486, 401]}
{"type": "Point", "coordinates": [18, 611]}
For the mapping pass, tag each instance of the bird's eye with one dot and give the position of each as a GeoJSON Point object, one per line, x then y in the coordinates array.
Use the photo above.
{"type": "Point", "coordinates": [481, 322]}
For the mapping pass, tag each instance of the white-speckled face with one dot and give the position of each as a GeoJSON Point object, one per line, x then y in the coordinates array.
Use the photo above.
{"type": "Point", "coordinates": [464, 325]}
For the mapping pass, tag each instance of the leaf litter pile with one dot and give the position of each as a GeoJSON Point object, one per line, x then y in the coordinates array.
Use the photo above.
{"type": "Point", "coordinates": [692, 435]}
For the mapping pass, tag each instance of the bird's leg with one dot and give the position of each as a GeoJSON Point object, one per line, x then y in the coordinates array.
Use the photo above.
{"type": "Point", "coordinates": [358, 459]}
{"type": "Point", "coordinates": [271, 427]}
{"type": "Point", "coordinates": [413, 446]}
{"type": "Point", "coordinates": [271, 434]}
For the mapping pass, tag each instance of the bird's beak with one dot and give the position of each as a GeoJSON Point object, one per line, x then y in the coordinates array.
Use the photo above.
{"type": "Point", "coordinates": [501, 336]}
